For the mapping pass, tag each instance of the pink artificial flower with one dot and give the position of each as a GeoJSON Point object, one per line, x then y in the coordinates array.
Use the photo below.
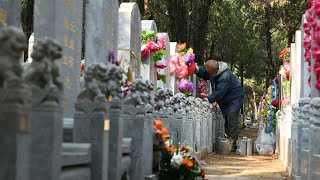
{"type": "Point", "coordinates": [317, 69]}
{"type": "Point", "coordinates": [144, 50]}
{"type": "Point", "coordinates": [316, 52]}
{"type": "Point", "coordinates": [306, 42]}
{"type": "Point", "coordinates": [316, 6]}
{"type": "Point", "coordinates": [161, 39]}
{"type": "Point", "coordinates": [183, 72]}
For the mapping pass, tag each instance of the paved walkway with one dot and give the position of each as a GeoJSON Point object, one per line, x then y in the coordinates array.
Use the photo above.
{"type": "Point", "coordinates": [237, 167]}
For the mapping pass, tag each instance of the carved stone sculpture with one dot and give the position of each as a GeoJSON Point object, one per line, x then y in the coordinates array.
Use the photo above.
{"type": "Point", "coordinates": [42, 75]}
{"type": "Point", "coordinates": [100, 82]}
{"type": "Point", "coordinates": [162, 99]}
{"type": "Point", "coordinates": [13, 43]}
{"type": "Point", "coordinates": [139, 94]}
{"type": "Point", "coordinates": [179, 102]}
{"type": "Point", "coordinates": [190, 103]}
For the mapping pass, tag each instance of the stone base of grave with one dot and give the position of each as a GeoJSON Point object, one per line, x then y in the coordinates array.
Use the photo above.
{"type": "Point", "coordinates": [152, 177]}
{"type": "Point", "coordinates": [204, 153]}
{"type": "Point", "coordinates": [315, 166]}
{"type": "Point", "coordinates": [295, 177]}
{"type": "Point", "coordinates": [210, 149]}
{"type": "Point", "coordinates": [198, 155]}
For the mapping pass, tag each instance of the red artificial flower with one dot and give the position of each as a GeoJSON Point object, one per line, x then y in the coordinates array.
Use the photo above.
{"type": "Point", "coordinates": [184, 149]}
{"type": "Point", "coordinates": [317, 69]}
{"type": "Point", "coordinates": [162, 64]}
{"type": "Point", "coordinates": [277, 80]}
{"type": "Point", "coordinates": [275, 103]}
{"type": "Point", "coordinates": [192, 68]}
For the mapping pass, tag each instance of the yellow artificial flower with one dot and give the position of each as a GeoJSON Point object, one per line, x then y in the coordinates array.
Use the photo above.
{"type": "Point", "coordinates": [190, 51]}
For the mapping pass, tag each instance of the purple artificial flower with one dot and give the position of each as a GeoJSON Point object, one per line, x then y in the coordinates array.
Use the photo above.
{"type": "Point", "coordinates": [111, 55]}
{"type": "Point", "coordinates": [183, 85]}
{"type": "Point", "coordinates": [190, 57]}
{"type": "Point", "coordinates": [190, 86]}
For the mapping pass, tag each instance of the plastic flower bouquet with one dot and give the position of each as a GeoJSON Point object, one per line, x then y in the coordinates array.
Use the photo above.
{"type": "Point", "coordinates": [180, 163]}
{"type": "Point", "coordinates": [186, 87]}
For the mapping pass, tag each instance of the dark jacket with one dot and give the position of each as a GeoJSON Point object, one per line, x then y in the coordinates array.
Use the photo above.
{"type": "Point", "coordinates": [226, 90]}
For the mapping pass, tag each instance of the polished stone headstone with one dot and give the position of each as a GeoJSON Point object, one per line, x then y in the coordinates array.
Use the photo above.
{"type": "Point", "coordinates": [10, 13]}
{"type": "Point", "coordinates": [101, 30]}
{"type": "Point", "coordinates": [129, 38]}
{"type": "Point", "coordinates": [172, 79]}
{"type": "Point", "coordinates": [62, 21]}
{"type": "Point", "coordinates": [165, 71]}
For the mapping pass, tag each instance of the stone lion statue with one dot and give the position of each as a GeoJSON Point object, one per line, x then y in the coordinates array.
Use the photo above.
{"type": "Point", "coordinates": [13, 43]}
{"type": "Point", "coordinates": [100, 82]}
{"type": "Point", "coordinates": [43, 73]}
{"type": "Point", "coordinates": [179, 102]}
{"type": "Point", "coordinates": [140, 93]}
{"type": "Point", "coordinates": [162, 98]}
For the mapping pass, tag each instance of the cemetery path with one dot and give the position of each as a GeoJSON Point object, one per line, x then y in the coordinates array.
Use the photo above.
{"type": "Point", "coordinates": [244, 167]}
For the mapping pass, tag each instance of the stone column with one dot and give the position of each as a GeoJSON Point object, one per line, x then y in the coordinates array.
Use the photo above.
{"type": "Point", "coordinates": [315, 134]}
{"type": "Point", "coordinates": [47, 110]}
{"type": "Point", "coordinates": [305, 141]}
{"type": "Point", "coordinates": [15, 107]}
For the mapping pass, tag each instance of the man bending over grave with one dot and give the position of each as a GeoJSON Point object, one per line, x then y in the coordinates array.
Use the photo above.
{"type": "Point", "coordinates": [226, 91]}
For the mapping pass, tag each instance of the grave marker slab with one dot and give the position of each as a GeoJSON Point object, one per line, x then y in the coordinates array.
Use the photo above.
{"type": "Point", "coordinates": [101, 30]}
{"type": "Point", "coordinates": [305, 88]}
{"type": "Point", "coordinates": [148, 69]}
{"type": "Point", "coordinates": [62, 21]}
{"type": "Point", "coordinates": [129, 38]}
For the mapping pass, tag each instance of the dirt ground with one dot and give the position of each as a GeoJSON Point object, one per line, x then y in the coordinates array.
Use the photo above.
{"type": "Point", "coordinates": [244, 167]}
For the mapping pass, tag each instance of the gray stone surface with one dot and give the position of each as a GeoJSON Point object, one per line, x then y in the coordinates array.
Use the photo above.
{"type": "Point", "coordinates": [115, 139]}
{"type": "Point", "coordinates": [10, 13]}
{"type": "Point", "coordinates": [101, 30]}
{"type": "Point", "coordinates": [134, 127]}
{"type": "Point", "coordinates": [62, 20]}
{"type": "Point", "coordinates": [148, 141]}
{"type": "Point", "coordinates": [129, 38]}
{"type": "Point", "coordinates": [14, 106]}
{"type": "Point", "coordinates": [46, 142]}
{"type": "Point", "coordinates": [76, 173]}
{"type": "Point", "coordinates": [43, 77]}
{"type": "Point", "coordinates": [92, 125]}
{"type": "Point", "coordinates": [305, 141]}
{"type": "Point", "coordinates": [76, 154]}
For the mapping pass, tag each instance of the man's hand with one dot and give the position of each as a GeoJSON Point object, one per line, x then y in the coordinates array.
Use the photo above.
{"type": "Point", "coordinates": [214, 104]}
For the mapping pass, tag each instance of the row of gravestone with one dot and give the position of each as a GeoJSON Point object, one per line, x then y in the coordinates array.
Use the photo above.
{"type": "Point", "coordinates": [111, 138]}
{"type": "Point", "coordinates": [108, 29]}
{"type": "Point", "coordinates": [304, 152]}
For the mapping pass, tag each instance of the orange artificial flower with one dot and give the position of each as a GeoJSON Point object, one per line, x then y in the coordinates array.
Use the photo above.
{"type": "Point", "coordinates": [284, 52]}
{"type": "Point", "coordinates": [170, 149]}
{"type": "Point", "coordinates": [187, 163]}
{"type": "Point", "coordinates": [182, 46]}
{"type": "Point", "coordinates": [158, 124]}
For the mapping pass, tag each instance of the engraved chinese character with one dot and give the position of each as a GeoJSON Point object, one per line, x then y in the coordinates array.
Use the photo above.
{"type": "Point", "coordinates": [109, 30]}
{"type": "Point", "coordinates": [3, 17]}
{"type": "Point", "coordinates": [68, 42]}
{"type": "Point", "coordinates": [68, 61]}
{"type": "Point", "coordinates": [69, 25]}
{"type": "Point", "coordinates": [67, 82]}
{"type": "Point", "coordinates": [70, 4]}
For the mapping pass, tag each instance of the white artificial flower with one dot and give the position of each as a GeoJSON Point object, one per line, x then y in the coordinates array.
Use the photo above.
{"type": "Point", "coordinates": [176, 160]}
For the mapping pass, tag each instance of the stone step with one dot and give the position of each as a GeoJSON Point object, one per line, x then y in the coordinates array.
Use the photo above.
{"type": "Point", "coordinates": [76, 154]}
